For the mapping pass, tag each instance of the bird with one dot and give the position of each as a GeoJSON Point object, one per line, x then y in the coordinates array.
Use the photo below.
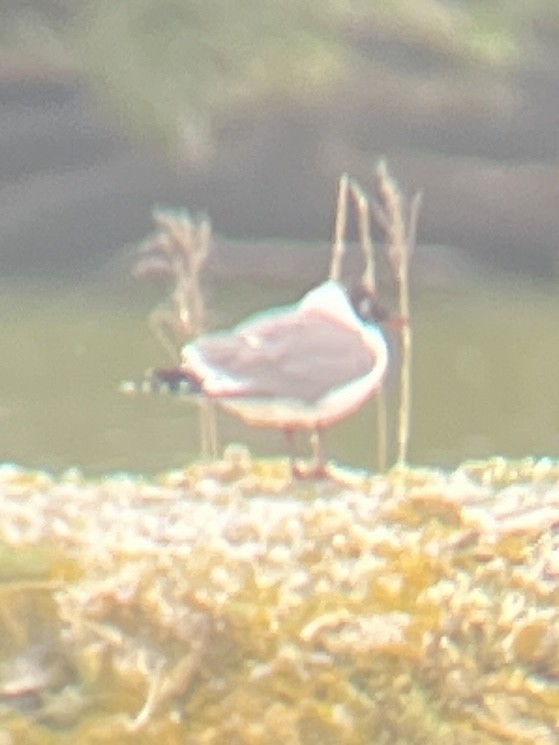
{"type": "Point", "coordinates": [295, 368]}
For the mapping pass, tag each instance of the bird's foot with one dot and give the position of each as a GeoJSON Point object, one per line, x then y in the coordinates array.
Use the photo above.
{"type": "Point", "coordinates": [330, 472]}
{"type": "Point", "coordinates": [317, 471]}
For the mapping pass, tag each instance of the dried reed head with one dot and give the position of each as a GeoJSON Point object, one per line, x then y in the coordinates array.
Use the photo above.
{"type": "Point", "coordinates": [177, 251]}
{"type": "Point", "coordinates": [397, 221]}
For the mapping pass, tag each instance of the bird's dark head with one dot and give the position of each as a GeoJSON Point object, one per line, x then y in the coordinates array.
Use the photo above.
{"type": "Point", "coordinates": [368, 307]}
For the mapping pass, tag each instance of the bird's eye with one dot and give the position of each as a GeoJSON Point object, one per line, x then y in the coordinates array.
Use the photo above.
{"type": "Point", "coordinates": [364, 307]}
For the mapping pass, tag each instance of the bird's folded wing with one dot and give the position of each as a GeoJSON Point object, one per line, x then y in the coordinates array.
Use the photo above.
{"type": "Point", "coordinates": [303, 355]}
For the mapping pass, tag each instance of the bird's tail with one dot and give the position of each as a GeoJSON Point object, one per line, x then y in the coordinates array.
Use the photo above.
{"type": "Point", "coordinates": [173, 380]}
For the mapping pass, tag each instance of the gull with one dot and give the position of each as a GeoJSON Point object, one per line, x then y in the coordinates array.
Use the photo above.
{"type": "Point", "coordinates": [299, 367]}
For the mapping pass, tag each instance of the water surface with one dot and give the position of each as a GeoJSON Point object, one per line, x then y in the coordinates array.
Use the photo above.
{"type": "Point", "coordinates": [485, 379]}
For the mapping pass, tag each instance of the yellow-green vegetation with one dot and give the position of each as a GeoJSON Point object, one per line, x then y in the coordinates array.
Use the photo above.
{"type": "Point", "coordinates": [225, 604]}
{"type": "Point", "coordinates": [177, 70]}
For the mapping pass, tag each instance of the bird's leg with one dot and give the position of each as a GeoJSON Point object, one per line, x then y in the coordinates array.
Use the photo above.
{"type": "Point", "coordinates": [289, 435]}
{"type": "Point", "coordinates": [294, 468]}
{"type": "Point", "coordinates": [317, 469]}
{"type": "Point", "coordinates": [320, 468]}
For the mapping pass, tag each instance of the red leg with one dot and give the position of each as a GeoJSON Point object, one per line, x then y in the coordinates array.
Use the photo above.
{"type": "Point", "coordinates": [292, 452]}
{"type": "Point", "coordinates": [317, 469]}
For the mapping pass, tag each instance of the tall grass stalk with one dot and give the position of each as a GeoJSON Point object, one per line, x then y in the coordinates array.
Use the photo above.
{"type": "Point", "coordinates": [400, 239]}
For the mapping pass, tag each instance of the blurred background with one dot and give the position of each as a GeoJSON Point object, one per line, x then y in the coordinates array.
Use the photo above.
{"type": "Point", "coordinates": [249, 110]}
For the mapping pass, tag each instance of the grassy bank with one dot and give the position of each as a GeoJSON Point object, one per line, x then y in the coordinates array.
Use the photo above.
{"type": "Point", "coordinates": [224, 604]}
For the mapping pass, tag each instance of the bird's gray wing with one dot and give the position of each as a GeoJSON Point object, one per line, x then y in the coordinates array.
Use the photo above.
{"type": "Point", "coordinates": [300, 355]}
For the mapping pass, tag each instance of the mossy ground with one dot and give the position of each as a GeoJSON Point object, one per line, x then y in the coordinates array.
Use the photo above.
{"type": "Point", "coordinates": [225, 604]}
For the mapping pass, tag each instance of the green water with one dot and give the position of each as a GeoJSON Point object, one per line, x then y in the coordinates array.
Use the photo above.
{"type": "Point", "coordinates": [485, 377]}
